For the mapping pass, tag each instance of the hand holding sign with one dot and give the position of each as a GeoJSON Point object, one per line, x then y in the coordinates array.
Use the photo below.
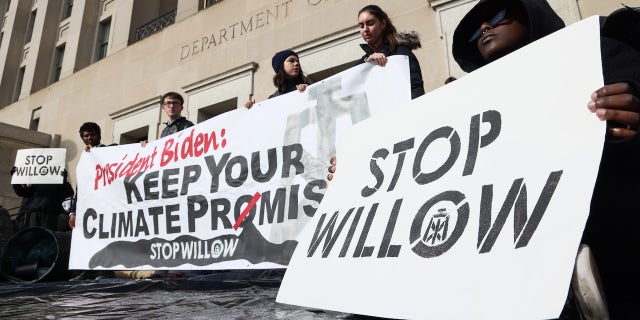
{"type": "Point", "coordinates": [618, 104]}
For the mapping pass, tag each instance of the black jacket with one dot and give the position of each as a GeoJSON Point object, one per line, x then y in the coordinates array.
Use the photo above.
{"type": "Point", "coordinates": [406, 43]}
{"type": "Point", "coordinates": [175, 126]}
{"type": "Point", "coordinates": [611, 229]}
{"type": "Point", "coordinates": [45, 198]}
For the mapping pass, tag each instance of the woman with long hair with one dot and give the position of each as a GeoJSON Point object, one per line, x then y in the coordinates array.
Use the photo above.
{"type": "Point", "coordinates": [382, 40]}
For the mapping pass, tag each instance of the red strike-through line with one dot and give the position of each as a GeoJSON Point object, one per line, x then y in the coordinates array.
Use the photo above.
{"type": "Point", "coordinates": [246, 210]}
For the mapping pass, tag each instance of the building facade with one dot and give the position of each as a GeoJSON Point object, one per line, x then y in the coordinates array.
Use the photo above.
{"type": "Point", "coordinates": [65, 62]}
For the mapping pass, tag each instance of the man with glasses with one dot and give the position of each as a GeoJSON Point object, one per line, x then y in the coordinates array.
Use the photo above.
{"type": "Point", "coordinates": [172, 104]}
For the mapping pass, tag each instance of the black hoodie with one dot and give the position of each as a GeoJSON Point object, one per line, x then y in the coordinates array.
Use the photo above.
{"type": "Point", "coordinates": [612, 227]}
{"type": "Point", "coordinates": [542, 21]}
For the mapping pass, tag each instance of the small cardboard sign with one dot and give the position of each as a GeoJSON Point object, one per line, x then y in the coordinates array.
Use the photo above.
{"type": "Point", "coordinates": [39, 166]}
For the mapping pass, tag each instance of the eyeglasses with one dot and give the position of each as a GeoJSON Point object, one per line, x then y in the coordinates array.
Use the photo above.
{"type": "Point", "coordinates": [493, 23]}
{"type": "Point", "coordinates": [174, 103]}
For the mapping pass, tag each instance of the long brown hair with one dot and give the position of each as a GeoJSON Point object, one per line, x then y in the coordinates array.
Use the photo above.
{"type": "Point", "coordinates": [280, 78]}
{"type": "Point", "coordinates": [389, 31]}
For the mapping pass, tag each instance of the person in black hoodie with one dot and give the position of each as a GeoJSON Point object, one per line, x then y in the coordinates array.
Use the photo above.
{"type": "Point", "coordinates": [382, 40]}
{"type": "Point", "coordinates": [289, 76]}
{"type": "Point", "coordinates": [494, 28]}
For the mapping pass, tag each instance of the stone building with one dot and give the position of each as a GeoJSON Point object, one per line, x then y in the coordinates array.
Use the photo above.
{"type": "Point", "coordinates": [64, 62]}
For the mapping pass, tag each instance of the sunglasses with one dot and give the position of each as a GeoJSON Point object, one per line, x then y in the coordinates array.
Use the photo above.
{"type": "Point", "coordinates": [492, 22]}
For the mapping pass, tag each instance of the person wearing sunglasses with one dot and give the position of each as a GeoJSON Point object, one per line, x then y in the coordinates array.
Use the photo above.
{"type": "Point", "coordinates": [495, 28]}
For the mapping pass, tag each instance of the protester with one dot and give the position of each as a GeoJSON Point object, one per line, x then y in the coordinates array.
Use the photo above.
{"type": "Point", "coordinates": [495, 28]}
{"type": "Point", "coordinates": [173, 104]}
{"type": "Point", "coordinates": [289, 76]}
{"type": "Point", "coordinates": [91, 136]}
{"type": "Point", "coordinates": [383, 40]}
{"type": "Point", "coordinates": [41, 204]}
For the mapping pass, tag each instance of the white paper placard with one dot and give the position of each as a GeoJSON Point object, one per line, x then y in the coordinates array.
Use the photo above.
{"type": "Point", "coordinates": [39, 166]}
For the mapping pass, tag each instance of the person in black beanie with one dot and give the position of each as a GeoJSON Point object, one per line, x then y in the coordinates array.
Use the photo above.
{"type": "Point", "coordinates": [289, 76]}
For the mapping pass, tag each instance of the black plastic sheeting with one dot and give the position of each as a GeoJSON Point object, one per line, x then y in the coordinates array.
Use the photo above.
{"type": "Point", "coordinates": [225, 295]}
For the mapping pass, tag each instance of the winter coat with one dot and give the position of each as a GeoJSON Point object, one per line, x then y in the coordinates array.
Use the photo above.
{"type": "Point", "coordinates": [406, 43]}
{"type": "Point", "coordinates": [175, 126]}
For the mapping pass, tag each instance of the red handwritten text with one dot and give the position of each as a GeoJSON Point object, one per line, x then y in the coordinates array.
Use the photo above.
{"type": "Point", "coordinates": [191, 146]}
{"type": "Point", "coordinates": [111, 171]}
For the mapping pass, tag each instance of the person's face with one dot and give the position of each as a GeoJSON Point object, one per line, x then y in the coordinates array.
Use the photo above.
{"type": "Point", "coordinates": [90, 138]}
{"type": "Point", "coordinates": [502, 37]}
{"type": "Point", "coordinates": [370, 28]}
{"type": "Point", "coordinates": [291, 66]}
{"type": "Point", "coordinates": [172, 107]}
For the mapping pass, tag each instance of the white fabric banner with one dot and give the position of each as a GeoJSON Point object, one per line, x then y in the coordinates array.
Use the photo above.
{"type": "Point", "coordinates": [39, 166]}
{"type": "Point", "coordinates": [231, 192]}
{"type": "Point", "coordinates": [466, 203]}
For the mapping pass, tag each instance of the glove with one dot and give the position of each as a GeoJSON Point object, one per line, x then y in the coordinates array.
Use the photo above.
{"type": "Point", "coordinates": [64, 173]}
{"type": "Point", "coordinates": [13, 170]}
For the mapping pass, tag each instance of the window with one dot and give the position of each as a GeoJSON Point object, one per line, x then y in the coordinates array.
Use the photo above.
{"type": "Point", "coordinates": [103, 38]}
{"type": "Point", "coordinates": [35, 119]}
{"type": "Point", "coordinates": [212, 2]}
{"type": "Point", "coordinates": [16, 93]}
{"type": "Point", "coordinates": [137, 122]}
{"type": "Point", "coordinates": [135, 136]}
{"type": "Point", "coordinates": [32, 20]}
{"type": "Point", "coordinates": [58, 63]}
{"type": "Point", "coordinates": [68, 7]}
{"type": "Point", "coordinates": [216, 109]}
{"type": "Point", "coordinates": [207, 3]}
{"type": "Point", "coordinates": [218, 94]}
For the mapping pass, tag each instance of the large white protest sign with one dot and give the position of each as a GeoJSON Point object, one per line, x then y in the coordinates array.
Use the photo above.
{"type": "Point", "coordinates": [39, 166]}
{"type": "Point", "coordinates": [231, 192]}
{"type": "Point", "coordinates": [466, 203]}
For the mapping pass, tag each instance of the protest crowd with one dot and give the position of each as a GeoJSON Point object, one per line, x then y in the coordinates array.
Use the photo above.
{"type": "Point", "coordinates": [491, 30]}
